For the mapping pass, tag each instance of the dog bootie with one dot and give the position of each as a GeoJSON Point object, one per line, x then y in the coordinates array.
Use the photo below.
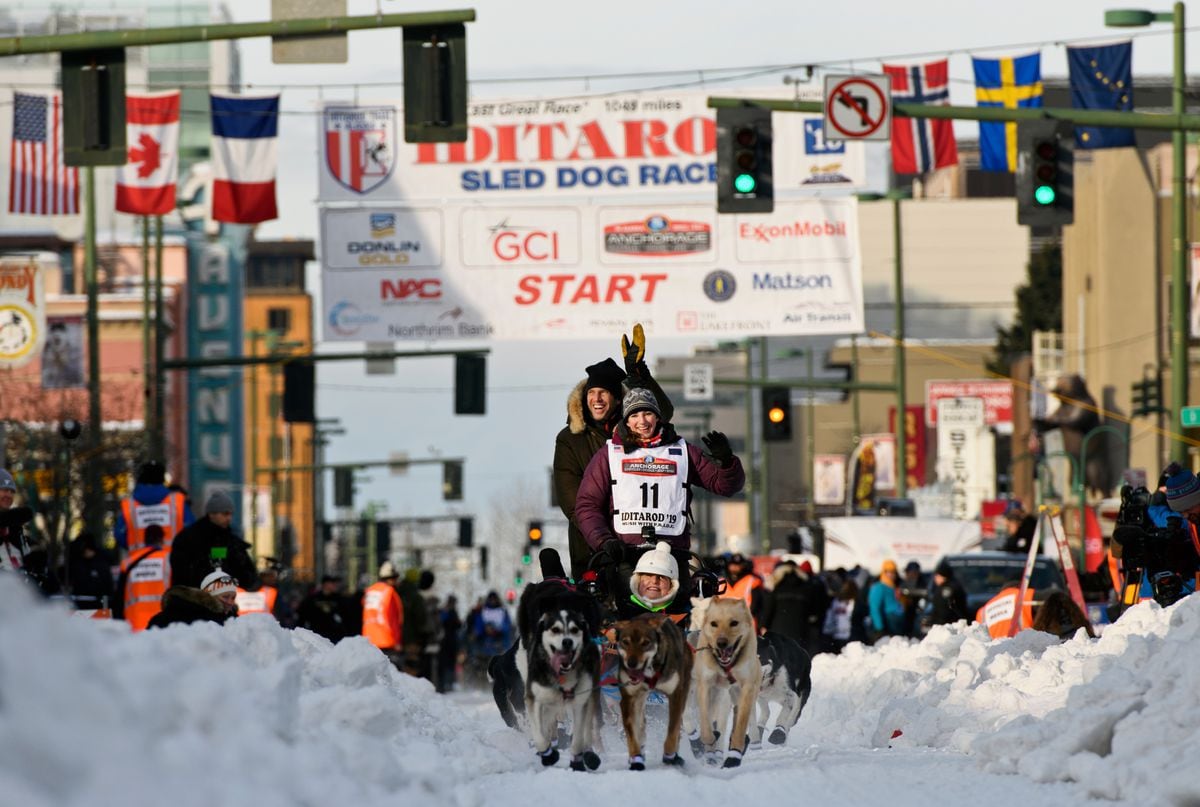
{"type": "Point", "coordinates": [591, 759]}
{"type": "Point", "coordinates": [549, 756]}
{"type": "Point", "coordinates": [733, 759]}
{"type": "Point", "coordinates": [577, 763]}
{"type": "Point", "coordinates": [697, 746]}
{"type": "Point", "coordinates": [637, 763]}
{"type": "Point", "coordinates": [778, 736]}
{"type": "Point", "coordinates": [673, 759]}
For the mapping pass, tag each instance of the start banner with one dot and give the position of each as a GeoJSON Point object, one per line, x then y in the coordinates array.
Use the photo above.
{"type": "Point", "coordinates": [525, 271]}
{"type": "Point", "coordinates": [559, 149]}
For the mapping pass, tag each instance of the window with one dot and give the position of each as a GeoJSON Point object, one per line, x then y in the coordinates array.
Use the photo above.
{"type": "Point", "coordinates": [279, 319]}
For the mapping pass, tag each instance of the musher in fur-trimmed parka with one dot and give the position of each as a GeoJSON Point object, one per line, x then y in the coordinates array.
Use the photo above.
{"type": "Point", "coordinates": [593, 411]}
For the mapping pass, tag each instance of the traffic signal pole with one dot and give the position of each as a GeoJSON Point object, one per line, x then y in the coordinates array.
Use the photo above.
{"type": "Point", "coordinates": [1178, 123]}
{"type": "Point", "coordinates": [143, 37]}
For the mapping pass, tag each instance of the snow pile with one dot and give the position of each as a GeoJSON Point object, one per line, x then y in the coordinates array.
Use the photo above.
{"type": "Point", "coordinates": [250, 713]}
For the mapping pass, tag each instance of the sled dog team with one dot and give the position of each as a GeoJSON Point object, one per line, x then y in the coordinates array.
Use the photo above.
{"type": "Point", "coordinates": [554, 670]}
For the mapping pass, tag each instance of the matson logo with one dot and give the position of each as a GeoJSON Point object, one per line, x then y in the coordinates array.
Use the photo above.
{"type": "Point", "coordinates": [648, 466]}
{"type": "Point", "coordinates": [766, 233]}
{"type": "Point", "coordinates": [512, 244]}
{"type": "Point", "coordinates": [658, 235]}
{"type": "Point", "coordinates": [571, 289]}
{"type": "Point", "coordinates": [785, 281]}
{"type": "Point", "coordinates": [408, 288]}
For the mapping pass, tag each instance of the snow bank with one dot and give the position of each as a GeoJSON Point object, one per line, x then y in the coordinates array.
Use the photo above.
{"type": "Point", "coordinates": [249, 713]}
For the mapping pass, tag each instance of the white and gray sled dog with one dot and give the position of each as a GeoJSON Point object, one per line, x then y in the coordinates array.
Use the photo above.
{"type": "Point", "coordinates": [552, 672]}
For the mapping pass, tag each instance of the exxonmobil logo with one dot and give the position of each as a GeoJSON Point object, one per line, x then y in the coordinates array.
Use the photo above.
{"type": "Point", "coordinates": [405, 288]}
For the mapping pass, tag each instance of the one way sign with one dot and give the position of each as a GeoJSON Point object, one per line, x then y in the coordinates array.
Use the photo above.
{"type": "Point", "coordinates": [697, 382]}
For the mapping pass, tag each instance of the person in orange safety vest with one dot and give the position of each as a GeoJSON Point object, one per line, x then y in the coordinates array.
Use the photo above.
{"type": "Point", "coordinates": [383, 615]}
{"type": "Point", "coordinates": [151, 503]}
{"type": "Point", "coordinates": [997, 613]}
{"type": "Point", "coordinates": [744, 584]}
{"type": "Point", "coordinates": [145, 577]}
{"type": "Point", "coordinates": [266, 598]}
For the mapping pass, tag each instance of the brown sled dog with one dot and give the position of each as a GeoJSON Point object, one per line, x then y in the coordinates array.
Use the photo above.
{"type": "Point", "coordinates": [654, 655]}
{"type": "Point", "coordinates": [726, 658]}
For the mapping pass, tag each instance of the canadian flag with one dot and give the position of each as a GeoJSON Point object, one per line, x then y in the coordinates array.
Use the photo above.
{"type": "Point", "coordinates": [146, 184]}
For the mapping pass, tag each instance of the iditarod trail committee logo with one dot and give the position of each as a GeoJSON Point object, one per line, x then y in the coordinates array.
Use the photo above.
{"type": "Point", "coordinates": [360, 145]}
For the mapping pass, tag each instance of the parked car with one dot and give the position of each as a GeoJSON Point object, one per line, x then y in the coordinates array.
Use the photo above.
{"type": "Point", "coordinates": [984, 574]}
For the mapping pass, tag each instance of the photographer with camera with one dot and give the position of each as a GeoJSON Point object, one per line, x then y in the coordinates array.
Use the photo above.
{"type": "Point", "coordinates": [13, 544]}
{"type": "Point", "coordinates": [1156, 539]}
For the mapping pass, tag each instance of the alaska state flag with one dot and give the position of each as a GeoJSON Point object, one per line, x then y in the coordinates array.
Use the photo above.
{"type": "Point", "coordinates": [921, 144]}
{"type": "Point", "coordinates": [1102, 78]}
{"type": "Point", "coordinates": [244, 154]}
{"type": "Point", "coordinates": [1012, 82]}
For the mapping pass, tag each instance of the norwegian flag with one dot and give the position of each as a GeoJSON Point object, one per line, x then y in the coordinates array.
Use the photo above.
{"type": "Point", "coordinates": [146, 184]}
{"type": "Point", "coordinates": [921, 144]}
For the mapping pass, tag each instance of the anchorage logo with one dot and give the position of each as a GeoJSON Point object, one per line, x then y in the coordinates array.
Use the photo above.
{"type": "Point", "coordinates": [719, 286]}
{"type": "Point", "coordinates": [658, 235]}
{"type": "Point", "coordinates": [346, 319]}
{"type": "Point", "coordinates": [649, 466]}
{"type": "Point", "coordinates": [383, 225]}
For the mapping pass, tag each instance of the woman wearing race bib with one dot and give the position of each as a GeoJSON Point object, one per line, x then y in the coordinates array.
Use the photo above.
{"type": "Point", "coordinates": [643, 478]}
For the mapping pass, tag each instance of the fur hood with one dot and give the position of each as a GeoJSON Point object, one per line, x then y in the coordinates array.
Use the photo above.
{"type": "Point", "coordinates": [783, 570]}
{"type": "Point", "coordinates": [577, 417]}
{"type": "Point", "coordinates": [187, 604]}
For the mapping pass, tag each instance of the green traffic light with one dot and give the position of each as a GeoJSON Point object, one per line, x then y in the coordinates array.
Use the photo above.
{"type": "Point", "coordinates": [1044, 195]}
{"type": "Point", "coordinates": [527, 559]}
{"type": "Point", "coordinates": [744, 183]}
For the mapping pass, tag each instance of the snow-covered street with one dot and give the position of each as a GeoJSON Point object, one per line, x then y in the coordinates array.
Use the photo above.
{"type": "Point", "coordinates": [250, 713]}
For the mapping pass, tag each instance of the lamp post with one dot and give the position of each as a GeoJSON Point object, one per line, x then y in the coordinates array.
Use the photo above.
{"type": "Point", "coordinates": [901, 371]}
{"type": "Point", "coordinates": [1134, 18]}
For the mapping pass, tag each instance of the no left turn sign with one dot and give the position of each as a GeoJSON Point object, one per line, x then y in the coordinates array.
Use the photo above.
{"type": "Point", "coordinates": [858, 107]}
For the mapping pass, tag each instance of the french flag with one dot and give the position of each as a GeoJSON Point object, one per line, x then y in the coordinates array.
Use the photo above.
{"type": "Point", "coordinates": [244, 156]}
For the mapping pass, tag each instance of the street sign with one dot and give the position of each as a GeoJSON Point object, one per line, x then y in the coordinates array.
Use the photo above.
{"type": "Point", "coordinates": [1189, 417]}
{"type": "Point", "coordinates": [697, 382]}
{"type": "Point", "coordinates": [858, 107]}
{"type": "Point", "coordinates": [318, 49]}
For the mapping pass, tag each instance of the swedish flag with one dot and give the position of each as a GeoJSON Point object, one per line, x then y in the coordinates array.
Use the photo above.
{"type": "Point", "coordinates": [1011, 83]}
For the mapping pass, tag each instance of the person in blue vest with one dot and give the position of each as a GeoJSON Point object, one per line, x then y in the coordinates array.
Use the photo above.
{"type": "Point", "coordinates": [886, 606]}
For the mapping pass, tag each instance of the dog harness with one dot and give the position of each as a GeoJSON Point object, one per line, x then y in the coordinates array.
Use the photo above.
{"type": "Point", "coordinates": [726, 668]}
{"type": "Point", "coordinates": [649, 488]}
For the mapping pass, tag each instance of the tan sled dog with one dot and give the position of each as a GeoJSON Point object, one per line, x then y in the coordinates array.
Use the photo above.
{"type": "Point", "coordinates": [654, 655]}
{"type": "Point", "coordinates": [726, 663]}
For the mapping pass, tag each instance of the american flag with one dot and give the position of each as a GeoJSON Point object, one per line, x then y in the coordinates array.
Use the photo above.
{"type": "Point", "coordinates": [38, 181]}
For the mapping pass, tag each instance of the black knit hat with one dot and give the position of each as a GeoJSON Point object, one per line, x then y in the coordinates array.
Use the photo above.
{"type": "Point", "coordinates": [606, 375]}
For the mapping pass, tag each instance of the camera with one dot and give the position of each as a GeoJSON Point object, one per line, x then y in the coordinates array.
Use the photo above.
{"type": "Point", "coordinates": [1165, 554]}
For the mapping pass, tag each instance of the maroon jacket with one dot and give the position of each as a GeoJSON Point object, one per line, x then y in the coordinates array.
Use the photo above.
{"type": "Point", "coordinates": [593, 504]}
